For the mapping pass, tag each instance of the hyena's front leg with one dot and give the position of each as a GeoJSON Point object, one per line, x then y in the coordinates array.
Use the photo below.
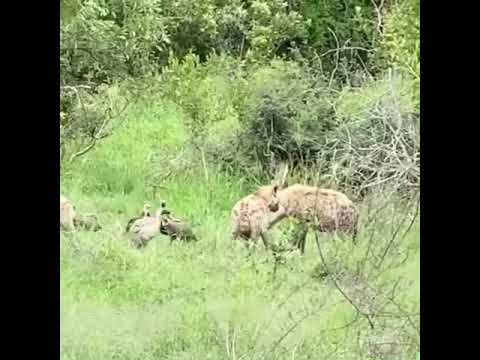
{"type": "Point", "coordinates": [265, 240]}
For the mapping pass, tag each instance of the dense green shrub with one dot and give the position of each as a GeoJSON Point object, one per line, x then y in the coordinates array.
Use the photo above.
{"type": "Point", "coordinates": [105, 39]}
{"type": "Point", "coordinates": [203, 91]}
{"type": "Point", "coordinates": [401, 41]}
{"type": "Point", "coordinates": [192, 25]}
{"type": "Point", "coordinates": [284, 115]}
{"type": "Point", "coordinates": [258, 29]}
{"type": "Point", "coordinates": [273, 27]}
{"type": "Point", "coordinates": [108, 40]}
{"type": "Point", "coordinates": [268, 113]}
{"type": "Point", "coordinates": [347, 26]}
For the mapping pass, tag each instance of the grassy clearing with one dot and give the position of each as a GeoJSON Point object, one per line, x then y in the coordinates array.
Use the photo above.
{"type": "Point", "coordinates": [206, 300]}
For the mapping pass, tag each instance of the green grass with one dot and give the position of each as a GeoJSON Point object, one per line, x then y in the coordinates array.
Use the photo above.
{"type": "Point", "coordinates": [206, 300]}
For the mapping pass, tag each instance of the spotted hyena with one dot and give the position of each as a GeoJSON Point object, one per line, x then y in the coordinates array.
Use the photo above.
{"type": "Point", "coordinates": [325, 210]}
{"type": "Point", "coordinates": [255, 214]}
{"type": "Point", "coordinates": [252, 216]}
{"type": "Point", "coordinates": [67, 214]}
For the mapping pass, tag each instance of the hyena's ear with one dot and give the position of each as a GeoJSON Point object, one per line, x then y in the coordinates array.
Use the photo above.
{"type": "Point", "coordinates": [283, 178]}
{"type": "Point", "coordinates": [275, 189]}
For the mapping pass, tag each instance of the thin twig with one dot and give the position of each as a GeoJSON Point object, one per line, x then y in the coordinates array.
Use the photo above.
{"type": "Point", "coordinates": [337, 285]}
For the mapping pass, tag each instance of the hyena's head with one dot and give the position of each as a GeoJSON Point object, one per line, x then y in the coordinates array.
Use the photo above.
{"type": "Point", "coordinates": [280, 182]}
{"type": "Point", "coordinates": [270, 195]}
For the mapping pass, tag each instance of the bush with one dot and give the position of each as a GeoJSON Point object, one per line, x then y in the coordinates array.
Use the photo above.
{"type": "Point", "coordinates": [108, 40]}
{"type": "Point", "coordinates": [376, 143]}
{"type": "Point", "coordinates": [203, 91]}
{"type": "Point", "coordinates": [192, 25]}
{"type": "Point", "coordinates": [104, 40]}
{"type": "Point", "coordinates": [284, 115]}
{"type": "Point", "coordinates": [88, 116]}
{"type": "Point", "coordinates": [258, 30]}
{"type": "Point", "coordinates": [273, 28]}
{"type": "Point", "coordinates": [400, 46]}
{"type": "Point", "coordinates": [348, 25]}
{"type": "Point", "coordinates": [242, 117]}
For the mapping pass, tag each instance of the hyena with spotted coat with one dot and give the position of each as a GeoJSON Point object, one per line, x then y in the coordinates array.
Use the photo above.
{"type": "Point", "coordinates": [325, 210]}
{"type": "Point", "coordinates": [255, 214]}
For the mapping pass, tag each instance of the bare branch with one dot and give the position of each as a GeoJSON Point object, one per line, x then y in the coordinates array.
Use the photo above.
{"type": "Point", "coordinates": [84, 150]}
{"type": "Point", "coordinates": [397, 230]}
{"type": "Point", "coordinates": [379, 12]}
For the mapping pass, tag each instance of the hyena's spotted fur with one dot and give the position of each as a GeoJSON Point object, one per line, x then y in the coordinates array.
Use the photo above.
{"type": "Point", "coordinates": [252, 216]}
{"type": "Point", "coordinates": [67, 214]}
{"type": "Point", "coordinates": [324, 209]}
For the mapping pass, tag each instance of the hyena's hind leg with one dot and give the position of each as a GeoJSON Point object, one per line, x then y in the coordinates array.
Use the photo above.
{"type": "Point", "coordinates": [349, 226]}
{"type": "Point", "coordinates": [354, 235]}
{"type": "Point", "coordinates": [350, 222]}
{"type": "Point", "coordinates": [356, 224]}
{"type": "Point", "coordinates": [300, 236]}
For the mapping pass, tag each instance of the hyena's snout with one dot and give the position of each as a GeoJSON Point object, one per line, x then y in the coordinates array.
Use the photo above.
{"type": "Point", "coordinates": [273, 207]}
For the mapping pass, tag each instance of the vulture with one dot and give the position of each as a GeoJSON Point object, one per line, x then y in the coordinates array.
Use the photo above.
{"type": "Point", "coordinates": [144, 229]}
{"type": "Point", "coordinates": [145, 213]}
{"type": "Point", "coordinates": [175, 228]}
